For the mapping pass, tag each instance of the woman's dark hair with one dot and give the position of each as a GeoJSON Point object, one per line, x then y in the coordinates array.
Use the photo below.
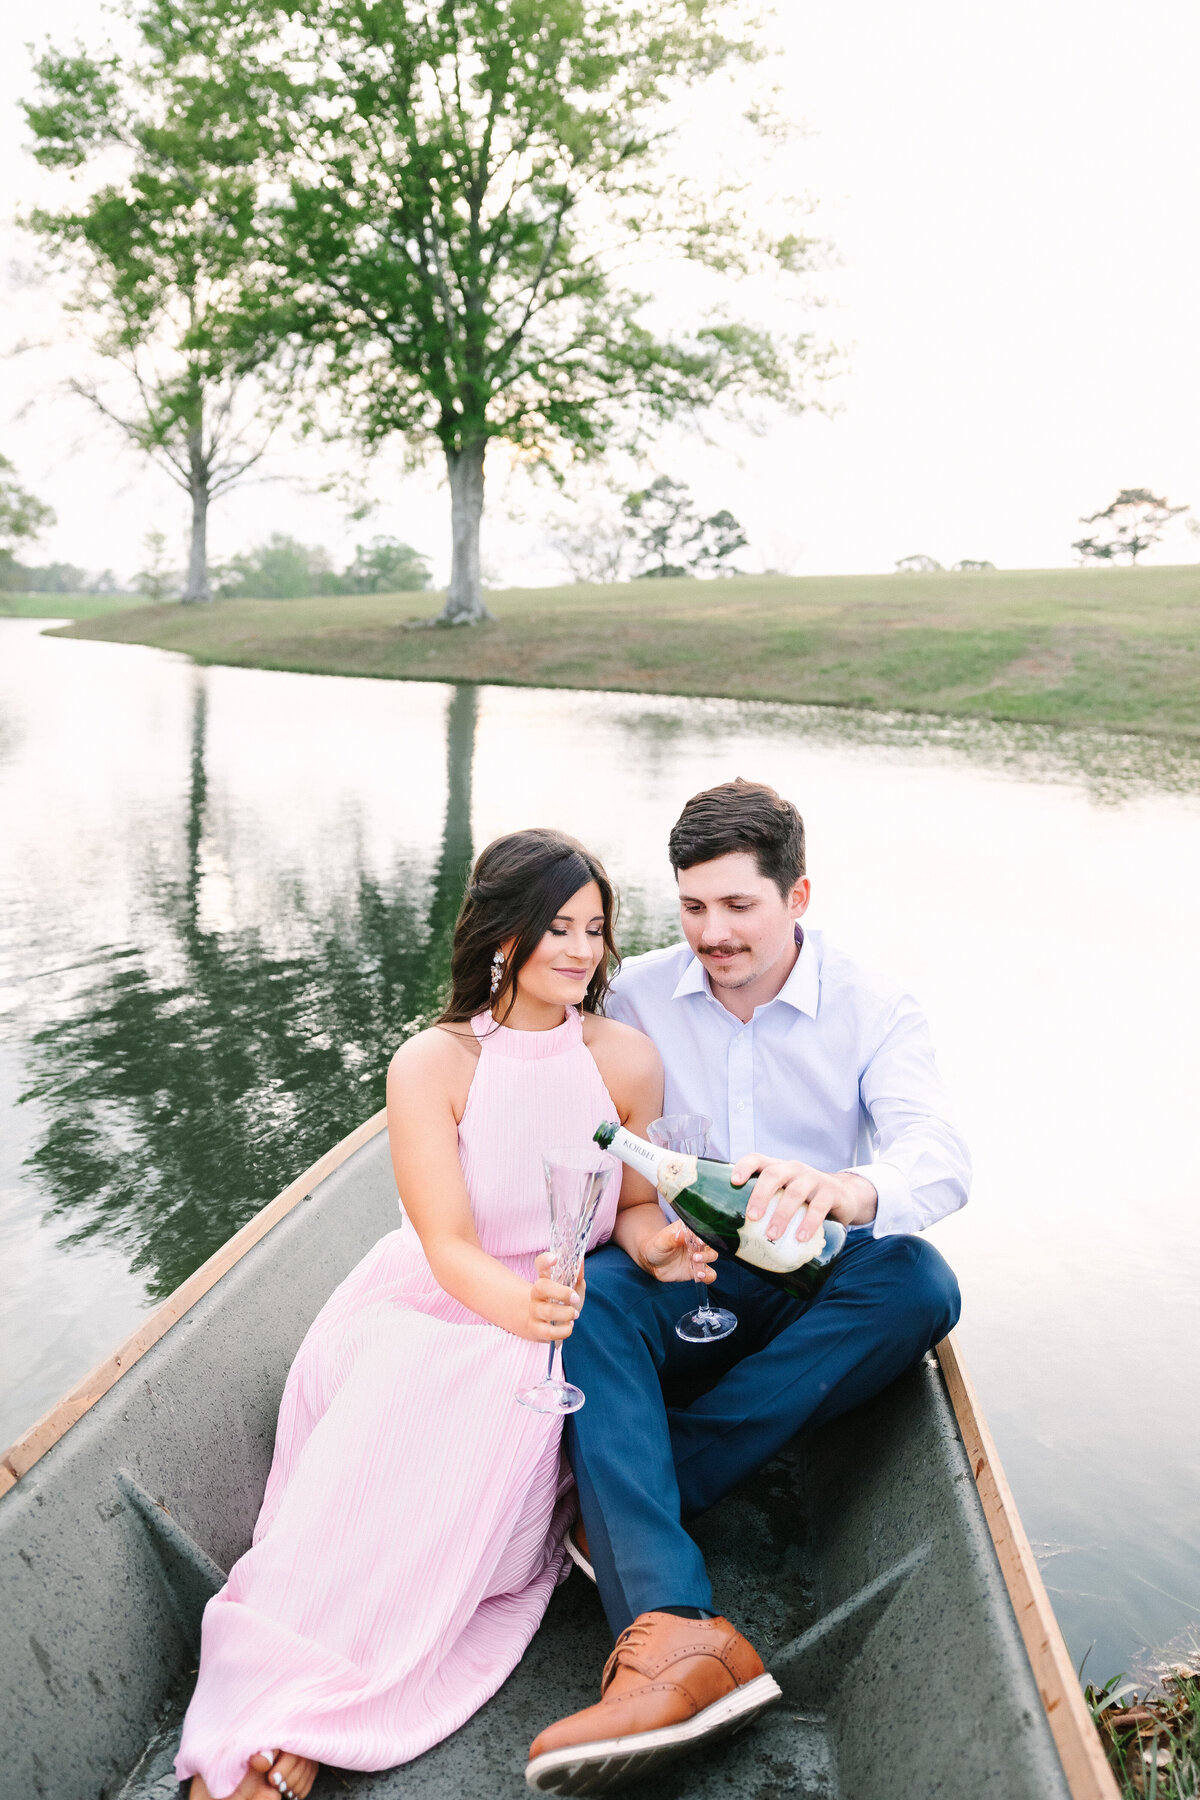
{"type": "Point", "coordinates": [518, 887]}
{"type": "Point", "coordinates": [741, 815]}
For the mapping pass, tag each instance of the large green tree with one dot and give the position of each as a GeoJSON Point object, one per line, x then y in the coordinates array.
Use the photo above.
{"type": "Point", "coordinates": [456, 194]}
{"type": "Point", "coordinates": [163, 243]}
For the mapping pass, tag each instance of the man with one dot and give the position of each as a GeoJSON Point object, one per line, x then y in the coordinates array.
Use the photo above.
{"type": "Point", "coordinates": [821, 1079]}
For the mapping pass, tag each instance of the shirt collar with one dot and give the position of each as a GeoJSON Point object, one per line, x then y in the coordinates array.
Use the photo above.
{"type": "Point", "coordinates": [801, 990]}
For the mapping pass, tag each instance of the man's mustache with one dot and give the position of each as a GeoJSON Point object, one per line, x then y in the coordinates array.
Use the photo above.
{"type": "Point", "coordinates": [723, 949]}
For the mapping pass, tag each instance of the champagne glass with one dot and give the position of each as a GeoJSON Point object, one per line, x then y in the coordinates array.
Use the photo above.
{"type": "Point", "coordinates": [576, 1183]}
{"type": "Point", "coordinates": [688, 1134]}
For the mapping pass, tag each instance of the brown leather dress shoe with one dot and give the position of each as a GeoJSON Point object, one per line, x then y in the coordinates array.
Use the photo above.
{"type": "Point", "coordinates": [669, 1686]}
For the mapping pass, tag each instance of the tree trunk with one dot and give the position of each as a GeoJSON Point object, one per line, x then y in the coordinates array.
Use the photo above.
{"type": "Point", "coordinates": [464, 597]}
{"type": "Point", "coordinates": [454, 864]}
{"type": "Point", "coordinates": [197, 589]}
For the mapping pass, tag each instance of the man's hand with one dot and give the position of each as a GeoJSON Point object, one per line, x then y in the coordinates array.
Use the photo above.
{"type": "Point", "coordinates": [848, 1198]}
{"type": "Point", "coordinates": [675, 1254]}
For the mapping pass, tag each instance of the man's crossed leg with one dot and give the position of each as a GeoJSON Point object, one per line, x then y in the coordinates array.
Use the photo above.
{"type": "Point", "coordinates": [643, 1468]}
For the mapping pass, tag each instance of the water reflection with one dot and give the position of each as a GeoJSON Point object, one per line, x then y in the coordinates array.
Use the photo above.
{"type": "Point", "coordinates": [225, 895]}
{"type": "Point", "coordinates": [174, 1109]}
{"type": "Point", "coordinates": [1110, 766]}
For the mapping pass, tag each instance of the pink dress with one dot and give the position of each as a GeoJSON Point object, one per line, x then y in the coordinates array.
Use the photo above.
{"type": "Point", "coordinates": [412, 1527]}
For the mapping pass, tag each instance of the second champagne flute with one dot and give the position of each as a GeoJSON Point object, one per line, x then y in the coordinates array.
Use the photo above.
{"type": "Point", "coordinates": [687, 1133]}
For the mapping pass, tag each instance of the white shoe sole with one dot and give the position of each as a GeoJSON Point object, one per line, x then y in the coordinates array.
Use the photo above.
{"type": "Point", "coordinates": [609, 1763]}
{"type": "Point", "coordinates": [579, 1559]}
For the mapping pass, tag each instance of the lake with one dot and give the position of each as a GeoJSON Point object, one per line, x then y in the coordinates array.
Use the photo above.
{"type": "Point", "coordinates": [225, 895]}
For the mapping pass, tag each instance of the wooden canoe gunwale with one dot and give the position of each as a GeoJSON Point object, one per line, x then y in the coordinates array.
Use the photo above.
{"type": "Point", "coordinates": [1081, 1754]}
{"type": "Point", "coordinates": [1085, 1765]}
{"type": "Point", "coordinates": [42, 1436]}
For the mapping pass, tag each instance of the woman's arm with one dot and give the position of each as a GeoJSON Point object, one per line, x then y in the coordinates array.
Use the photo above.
{"type": "Point", "coordinates": [427, 1087]}
{"type": "Point", "coordinates": [633, 1074]}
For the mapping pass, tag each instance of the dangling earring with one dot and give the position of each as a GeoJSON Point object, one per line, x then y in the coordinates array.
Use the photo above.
{"type": "Point", "coordinates": [497, 972]}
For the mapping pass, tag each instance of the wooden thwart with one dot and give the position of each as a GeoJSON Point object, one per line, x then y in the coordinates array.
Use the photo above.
{"type": "Point", "coordinates": [20, 1457]}
{"type": "Point", "coordinates": [1082, 1755]}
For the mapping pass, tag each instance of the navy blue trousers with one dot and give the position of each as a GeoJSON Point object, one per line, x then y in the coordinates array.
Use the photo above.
{"type": "Point", "coordinates": [643, 1467]}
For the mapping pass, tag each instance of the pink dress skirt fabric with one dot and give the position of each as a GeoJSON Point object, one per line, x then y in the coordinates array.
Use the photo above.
{"type": "Point", "coordinates": [412, 1528]}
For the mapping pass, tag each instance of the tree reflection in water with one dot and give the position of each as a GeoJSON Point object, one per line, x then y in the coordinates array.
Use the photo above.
{"type": "Point", "coordinates": [178, 1107]}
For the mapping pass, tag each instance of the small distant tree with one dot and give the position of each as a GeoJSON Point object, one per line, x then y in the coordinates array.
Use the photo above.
{"type": "Point", "coordinates": [593, 542]}
{"type": "Point", "coordinates": [920, 564]}
{"type": "Point", "coordinates": [386, 566]}
{"type": "Point", "coordinates": [966, 564]}
{"type": "Point", "coordinates": [670, 538]}
{"type": "Point", "coordinates": [169, 281]}
{"type": "Point", "coordinates": [155, 578]}
{"type": "Point", "coordinates": [1130, 524]}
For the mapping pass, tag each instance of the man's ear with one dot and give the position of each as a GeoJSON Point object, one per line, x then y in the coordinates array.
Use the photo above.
{"type": "Point", "coordinates": [799, 898]}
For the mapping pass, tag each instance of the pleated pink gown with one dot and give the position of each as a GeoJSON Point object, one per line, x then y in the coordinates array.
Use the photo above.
{"type": "Point", "coordinates": [412, 1529]}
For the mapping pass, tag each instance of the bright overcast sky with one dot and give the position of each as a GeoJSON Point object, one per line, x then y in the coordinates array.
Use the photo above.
{"type": "Point", "coordinates": [1013, 192]}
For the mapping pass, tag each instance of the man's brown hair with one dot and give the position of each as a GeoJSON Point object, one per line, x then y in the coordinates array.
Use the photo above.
{"type": "Point", "coordinates": [741, 815]}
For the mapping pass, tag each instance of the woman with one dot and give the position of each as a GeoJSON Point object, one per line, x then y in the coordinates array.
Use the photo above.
{"type": "Point", "coordinates": [412, 1528]}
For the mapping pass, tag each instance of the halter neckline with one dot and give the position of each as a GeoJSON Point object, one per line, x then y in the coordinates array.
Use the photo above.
{"type": "Point", "coordinates": [503, 1040]}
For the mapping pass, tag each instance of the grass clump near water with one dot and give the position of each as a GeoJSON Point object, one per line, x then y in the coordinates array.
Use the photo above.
{"type": "Point", "coordinates": [1112, 647]}
{"type": "Point", "coordinates": [1152, 1740]}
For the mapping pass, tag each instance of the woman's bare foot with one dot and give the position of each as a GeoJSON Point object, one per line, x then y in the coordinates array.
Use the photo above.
{"type": "Point", "coordinates": [250, 1787]}
{"type": "Point", "coordinates": [296, 1772]}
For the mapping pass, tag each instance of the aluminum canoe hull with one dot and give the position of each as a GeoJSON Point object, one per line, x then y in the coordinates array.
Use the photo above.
{"type": "Point", "coordinates": [880, 1575]}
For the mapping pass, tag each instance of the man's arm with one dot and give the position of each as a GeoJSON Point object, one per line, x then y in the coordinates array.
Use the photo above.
{"type": "Point", "coordinates": [921, 1169]}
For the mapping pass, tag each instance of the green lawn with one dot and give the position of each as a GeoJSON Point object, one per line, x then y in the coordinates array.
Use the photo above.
{"type": "Point", "coordinates": [64, 606]}
{"type": "Point", "coordinates": [1118, 647]}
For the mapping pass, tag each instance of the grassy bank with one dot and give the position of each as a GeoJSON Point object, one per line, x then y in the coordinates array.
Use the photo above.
{"type": "Point", "coordinates": [1118, 647]}
{"type": "Point", "coordinates": [65, 606]}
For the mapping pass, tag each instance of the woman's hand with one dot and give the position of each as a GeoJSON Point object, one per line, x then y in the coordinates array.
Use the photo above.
{"type": "Point", "coordinates": [674, 1254]}
{"type": "Point", "coordinates": [553, 1308]}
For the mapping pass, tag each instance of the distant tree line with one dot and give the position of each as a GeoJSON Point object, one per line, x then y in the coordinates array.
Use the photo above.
{"type": "Point", "coordinates": [23, 519]}
{"type": "Point", "coordinates": [1126, 528]}
{"type": "Point", "coordinates": [921, 564]}
{"type": "Point", "coordinates": [283, 568]}
{"type": "Point", "coordinates": [56, 578]}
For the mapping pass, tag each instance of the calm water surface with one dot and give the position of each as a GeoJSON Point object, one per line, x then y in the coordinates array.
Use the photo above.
{"type": "Point", "coordinates": [225, 895]}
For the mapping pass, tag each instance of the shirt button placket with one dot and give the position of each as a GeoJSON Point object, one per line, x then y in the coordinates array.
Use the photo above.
{"type": "Point", "coordinates": [741, 1093]}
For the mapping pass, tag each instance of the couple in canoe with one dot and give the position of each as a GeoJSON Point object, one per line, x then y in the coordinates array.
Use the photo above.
{"type": "Point", "coordinates": [416, 1518]}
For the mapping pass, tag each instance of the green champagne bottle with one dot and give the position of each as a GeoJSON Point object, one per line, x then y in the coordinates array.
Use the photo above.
{"type": "Point", "coordinates": [706, 1200]}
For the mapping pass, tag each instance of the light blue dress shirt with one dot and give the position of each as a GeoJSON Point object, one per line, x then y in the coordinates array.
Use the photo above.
{"type": "Point", "coordinates": [837, 1070]}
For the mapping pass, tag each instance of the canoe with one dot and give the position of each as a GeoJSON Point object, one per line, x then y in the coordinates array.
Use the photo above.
{"type": "Point", "coordinates": [879, 1565]}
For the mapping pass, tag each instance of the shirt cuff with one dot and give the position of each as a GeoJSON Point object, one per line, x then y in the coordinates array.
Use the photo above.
{"type": "Point", "coordinates": [894, 1213]}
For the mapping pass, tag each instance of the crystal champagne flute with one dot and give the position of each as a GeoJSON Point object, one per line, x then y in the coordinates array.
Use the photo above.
{"type": "Point", "coordinates": [577, 1182]}
{"type": "Point", "coordinates": [687, 1133]}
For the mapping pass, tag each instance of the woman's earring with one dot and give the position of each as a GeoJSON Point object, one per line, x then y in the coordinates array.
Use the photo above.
{"type": "Point", "coordinates": [497, 971]}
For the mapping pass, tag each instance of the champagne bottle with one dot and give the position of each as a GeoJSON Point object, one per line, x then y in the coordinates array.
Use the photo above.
{"type": "Point", "coordinates": [706, 1200]}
